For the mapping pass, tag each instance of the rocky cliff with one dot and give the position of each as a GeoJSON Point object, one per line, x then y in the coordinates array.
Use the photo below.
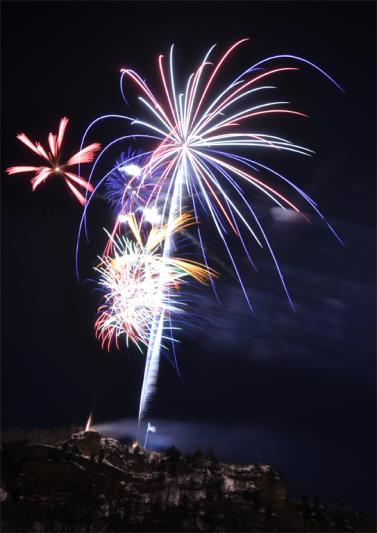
{"type": "Point", "coordinates": [92, 483]}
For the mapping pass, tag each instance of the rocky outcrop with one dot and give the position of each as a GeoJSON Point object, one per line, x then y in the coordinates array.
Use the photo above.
{"type": "Point", "coordinates": [87, 443]}
{"type": "Point", "coordinates": [92, 483]}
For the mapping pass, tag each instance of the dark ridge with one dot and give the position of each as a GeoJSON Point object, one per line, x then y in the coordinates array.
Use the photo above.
{"type": "Point", "coordinates": [88, 482]}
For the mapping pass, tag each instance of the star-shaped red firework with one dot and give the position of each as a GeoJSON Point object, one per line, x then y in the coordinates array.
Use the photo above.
{"type": "Point", "coordinates": [86, 155]}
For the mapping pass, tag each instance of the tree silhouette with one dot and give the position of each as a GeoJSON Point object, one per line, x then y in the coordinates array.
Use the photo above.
{"type": "Point", "coordinates": [173, 454]}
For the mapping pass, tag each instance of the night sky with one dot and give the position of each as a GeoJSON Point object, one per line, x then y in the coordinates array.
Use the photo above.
{"type": "Point", "coordinates": [296, 390]}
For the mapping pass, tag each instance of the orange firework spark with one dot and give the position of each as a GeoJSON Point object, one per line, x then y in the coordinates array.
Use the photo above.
{"type": "Point", "coordinates": [52, 156]}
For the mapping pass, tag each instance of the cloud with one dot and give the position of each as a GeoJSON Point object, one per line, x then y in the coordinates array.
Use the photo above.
{"type": "Point", "coordinates": [333, 291]}
{"type": "Point", "coordinates": [280, 215]}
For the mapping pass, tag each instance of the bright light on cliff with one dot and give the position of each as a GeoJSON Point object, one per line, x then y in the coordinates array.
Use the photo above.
{"type": "Point", "coordinates": [89, 423]}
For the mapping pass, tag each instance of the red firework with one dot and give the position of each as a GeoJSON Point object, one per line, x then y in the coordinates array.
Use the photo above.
{"type": "Point", "coordinates": [52, 156]}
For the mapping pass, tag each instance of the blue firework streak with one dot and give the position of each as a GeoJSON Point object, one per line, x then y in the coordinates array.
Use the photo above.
{"type": "Point", "coordinates": [127, 190]}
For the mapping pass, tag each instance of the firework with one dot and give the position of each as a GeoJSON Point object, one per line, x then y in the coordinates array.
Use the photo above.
{"type": "Point", "coordinates": [124, 191]}
{"type": "Point", "coordinates": [202, 133]}
{"type": "Point", "coordinates": [138, 283]}
{"type": "Point", "coordinates": [55, 166]}
{"type": "Point", "coordinates": [201, 138]}
{"type": "Point", "coordinates": [127, 195]}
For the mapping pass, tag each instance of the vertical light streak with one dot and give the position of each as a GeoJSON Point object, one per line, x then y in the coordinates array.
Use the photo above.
{"type": "Point", "coordinates": [154, 348]}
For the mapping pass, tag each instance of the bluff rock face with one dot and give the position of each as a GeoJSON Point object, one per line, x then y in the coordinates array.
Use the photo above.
{"type": "Point", "coordinates": [92, 483]}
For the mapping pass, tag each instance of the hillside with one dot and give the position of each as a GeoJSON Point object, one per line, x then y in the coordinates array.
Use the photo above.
{"type": "Point", "coordinates": [92, 483]}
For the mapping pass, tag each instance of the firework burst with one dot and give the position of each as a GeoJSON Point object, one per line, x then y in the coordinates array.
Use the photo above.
{"type": "Point", "coordinates": [124, 190]}
{"type": "Point", "coordinates": [202, 134]}
{"type": "Point", "coordinates": [139, 282]}
{"type": "Point", "coordinates": [55, 166]}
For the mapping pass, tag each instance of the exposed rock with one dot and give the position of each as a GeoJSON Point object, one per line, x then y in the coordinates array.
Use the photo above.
{"type": "Point", "coordinates": [113, 451]}
{"type": "Point", "coordinates": [86, 443]}
{"type": "Point", "coordinates": [91, 483]}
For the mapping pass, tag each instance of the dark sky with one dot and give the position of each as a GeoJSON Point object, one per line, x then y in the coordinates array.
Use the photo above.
{"type": "Point", "coordinates": [296, 390]}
